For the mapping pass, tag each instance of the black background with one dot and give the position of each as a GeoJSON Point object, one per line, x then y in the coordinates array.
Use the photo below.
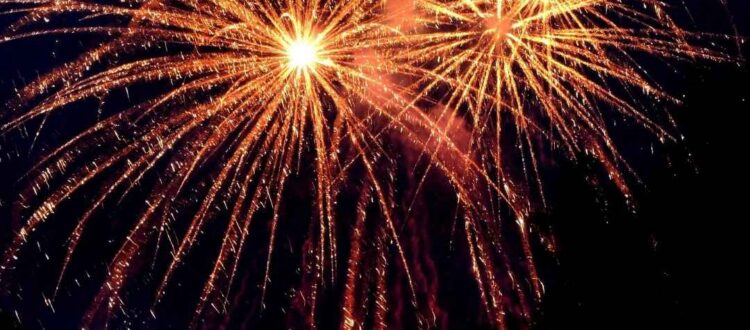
{"type": "Point", "coordinates": [677, 261]}
{"type": "Point", "coordinates": [673, 260]}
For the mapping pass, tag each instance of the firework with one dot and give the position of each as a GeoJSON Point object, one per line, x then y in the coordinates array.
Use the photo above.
{"type": "Point", "coordinates": [549, 69]}
{"type": "Point", "coordinates": [525, 74]}
{"type": "Point", "coordinates": [261, 92]}
{"type": "Point", "coordinates": [261, 88]}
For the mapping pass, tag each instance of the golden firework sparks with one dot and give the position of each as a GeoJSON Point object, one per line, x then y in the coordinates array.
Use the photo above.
{"type": "Point", "coordinates": [262, 88]}
{"type": "Point", "coordinates": [267, 89]}
{"type": "Point", "coordinates": [549, 66]}
{"type": "Point", "coordinates": [526, 71]}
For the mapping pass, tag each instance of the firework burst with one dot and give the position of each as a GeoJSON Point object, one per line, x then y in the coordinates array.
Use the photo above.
{"type": "Point", "coordinates": [260, 92]}
{"type": "Point", "coordinates": [523, 75]}
{"type": "Point", "coordinates": [549, 69]}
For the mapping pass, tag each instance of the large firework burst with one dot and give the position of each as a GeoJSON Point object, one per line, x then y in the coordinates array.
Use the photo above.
{"type": "Point", "coordinates": [260, 92]}
{"type": "Point", "coordinates": [263, 88]}
{"type": "Point", "coordinates": [530, 75]}
{"type": "Point", "coordinates": [551, 68]}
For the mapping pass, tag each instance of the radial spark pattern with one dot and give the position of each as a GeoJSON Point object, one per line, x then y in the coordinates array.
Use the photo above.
{"type": "Point", "coordinates": [246, 99]}
{"type": "Point", "coordinates": [550, 69]}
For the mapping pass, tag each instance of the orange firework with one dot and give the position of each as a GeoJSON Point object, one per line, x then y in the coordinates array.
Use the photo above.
{"type": "Point", "coordinates": [262, 88]}
{"type": "Point", "coordinates": [548, 67]}
{"type": "Point", "coordinates": [261, 92]}
{"type": "Point", "coordinates": [523, 72]}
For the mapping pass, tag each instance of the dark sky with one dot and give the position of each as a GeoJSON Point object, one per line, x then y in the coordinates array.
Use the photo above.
{"type": "Point", "coordinates": [672, 261]}
{"type": "Point", "coordinates": [676, 262]}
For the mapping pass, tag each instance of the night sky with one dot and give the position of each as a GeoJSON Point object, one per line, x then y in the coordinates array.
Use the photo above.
{"type": "Point", "coordinates": [671, 260]}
